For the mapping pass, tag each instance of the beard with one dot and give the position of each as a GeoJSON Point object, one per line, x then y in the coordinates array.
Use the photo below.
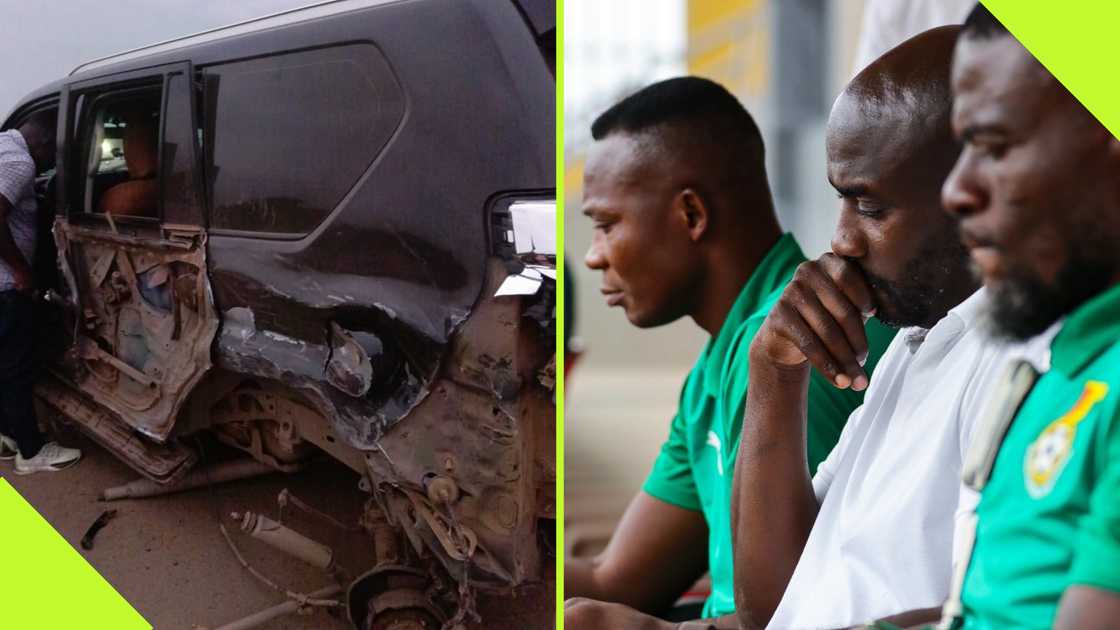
{"type": "Point", "coordinates": [1022, 305]}
{"type": "Point", "coordinates": [919, 296]}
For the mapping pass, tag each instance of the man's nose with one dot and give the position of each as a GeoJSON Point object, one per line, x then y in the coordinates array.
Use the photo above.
{"type": "Point", "coordinates": [849, 240]}
{"type": "Point", "coordinates": [594, 258]}
{"type": "Point", "coordinates": [962, 194]}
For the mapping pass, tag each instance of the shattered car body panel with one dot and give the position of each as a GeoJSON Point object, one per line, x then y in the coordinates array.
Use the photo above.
{"type": "Point", "coordinates": [400, 262]}
{"type": "Point", "coordinates": [488, 414]}
{"type": "Point", "coordinates": [340, 390]}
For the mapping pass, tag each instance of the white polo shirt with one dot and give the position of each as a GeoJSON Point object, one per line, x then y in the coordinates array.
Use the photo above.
{"type": "Point", "coordinates": [890, 493]}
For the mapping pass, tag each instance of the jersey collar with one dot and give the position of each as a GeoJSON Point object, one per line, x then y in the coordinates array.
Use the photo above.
{"type": "Point", "coordinates": [773, 272]}
{"type": "Point", "coordinates": [1087, 332]}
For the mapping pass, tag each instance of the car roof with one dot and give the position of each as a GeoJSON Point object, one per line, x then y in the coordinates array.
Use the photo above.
{"type": "Point", "coordinates": [94, 66]}
{"type": "Point", "coordinates": [534, 12]}
{"type": "Point", "coordinates": [291, 16]}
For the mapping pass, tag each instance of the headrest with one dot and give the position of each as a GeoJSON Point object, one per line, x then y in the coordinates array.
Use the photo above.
{"type": "Point", "coordinates": [140, 138]}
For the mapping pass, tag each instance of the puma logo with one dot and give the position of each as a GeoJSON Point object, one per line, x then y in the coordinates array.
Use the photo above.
{"type": "Point", "coordinates": [713, 441]}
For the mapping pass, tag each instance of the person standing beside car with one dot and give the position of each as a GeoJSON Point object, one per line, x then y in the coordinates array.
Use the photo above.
{"type": "Point", "coordinates": [24, 152]}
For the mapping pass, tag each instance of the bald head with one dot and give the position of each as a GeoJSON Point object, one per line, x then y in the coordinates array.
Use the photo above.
{"type": "Point", "coordinates": [890, 147]}
{"type": "Point", "coordinates": [897, 112]}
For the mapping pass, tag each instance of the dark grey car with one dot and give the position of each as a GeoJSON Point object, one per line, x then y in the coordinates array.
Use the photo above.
{"type": "Point", "coordinates": [328, 230]}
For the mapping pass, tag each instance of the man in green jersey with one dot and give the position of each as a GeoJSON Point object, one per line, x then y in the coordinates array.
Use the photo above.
{"type": "Point", "coordinates": [1038, 196]}
{"type": "Point", "coordinates": [685, 227]}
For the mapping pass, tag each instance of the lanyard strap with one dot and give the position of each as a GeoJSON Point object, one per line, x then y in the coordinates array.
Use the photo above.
{"type": "Point", "coordinates": [1004, 405]}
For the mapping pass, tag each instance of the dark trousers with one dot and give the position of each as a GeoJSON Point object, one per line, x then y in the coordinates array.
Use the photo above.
{"type": "Point", "coordinates": [17, 372]}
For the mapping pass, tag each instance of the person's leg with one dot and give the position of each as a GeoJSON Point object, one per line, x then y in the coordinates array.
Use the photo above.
{"type": "Point", "coordinates": [8, 447]}
{"type": "Point", "coordinates": [3, 416]}
{"type": "Point", "coordinates": [17, 372]}
{"type": "Point", "coordinates": [5, 324]}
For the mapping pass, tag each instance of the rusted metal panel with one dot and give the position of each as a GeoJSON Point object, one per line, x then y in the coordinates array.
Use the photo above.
{"type": "Point", "coordinates": [162, 463]}
{"type": "Point", "coordinates": [487, 427]}
{"type": "Point", "coordinates": [145, 321]}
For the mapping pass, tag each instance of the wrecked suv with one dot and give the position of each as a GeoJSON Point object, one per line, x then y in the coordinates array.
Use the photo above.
{"type": "Point", "coordinates": [327, 230]}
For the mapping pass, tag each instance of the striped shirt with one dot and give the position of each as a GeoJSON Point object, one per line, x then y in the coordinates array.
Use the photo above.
{"type": "Point", "coordinates": [17, 185]}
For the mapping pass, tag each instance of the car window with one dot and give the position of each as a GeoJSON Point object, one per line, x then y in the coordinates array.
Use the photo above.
{"type": "Point", "coordinates": [287, 136]}
{"type": "Point", "coordinates": [121, 139]}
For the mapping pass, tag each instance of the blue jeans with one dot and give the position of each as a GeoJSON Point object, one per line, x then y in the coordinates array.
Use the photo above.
{"type": "Point", "coordinates": [17, 372]}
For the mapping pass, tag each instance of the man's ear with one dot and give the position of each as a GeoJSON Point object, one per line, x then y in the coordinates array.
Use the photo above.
{"type": "Point", "coordinates": [693, 212]}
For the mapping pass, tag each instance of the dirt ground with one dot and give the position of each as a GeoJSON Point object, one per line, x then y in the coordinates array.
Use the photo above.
{"type": "Point", "coordinates": [167, 557]}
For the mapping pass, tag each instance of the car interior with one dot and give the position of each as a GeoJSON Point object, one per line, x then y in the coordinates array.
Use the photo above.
{"type": "Point", "coordinates": [123, 169]}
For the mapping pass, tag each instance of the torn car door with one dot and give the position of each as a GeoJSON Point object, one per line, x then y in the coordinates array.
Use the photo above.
{"type": "Point", "coordinates": [132, 246]}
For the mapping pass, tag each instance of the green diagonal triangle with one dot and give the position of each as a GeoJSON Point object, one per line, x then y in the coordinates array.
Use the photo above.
{"type": "Point", "coordinates": [1077, 43]}
{"type": "Point", "coordinates": [45, 584]}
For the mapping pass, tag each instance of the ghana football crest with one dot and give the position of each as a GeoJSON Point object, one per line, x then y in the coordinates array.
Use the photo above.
{"type": "Point", "coordinates": [1051, 450]}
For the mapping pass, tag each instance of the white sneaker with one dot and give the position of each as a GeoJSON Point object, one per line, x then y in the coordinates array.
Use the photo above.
{"type": "Point", "coordinates": [8, 448]}
{"type": "Point", "coordinates": [51, 457]}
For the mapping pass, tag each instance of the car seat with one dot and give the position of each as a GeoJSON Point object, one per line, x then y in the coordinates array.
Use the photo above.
{"type": "Point", "coordinates": [139, 195]}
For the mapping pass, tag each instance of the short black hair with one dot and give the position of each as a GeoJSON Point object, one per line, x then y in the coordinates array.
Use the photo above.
{"type": "Point", "coordinates": [688, 100]}
{"type": "Point", "coordinates": [981, 24]}
{"type": "Point", "coordinates": [699, 121]}
{"type": "Point", "coordinates": [44, 119]}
